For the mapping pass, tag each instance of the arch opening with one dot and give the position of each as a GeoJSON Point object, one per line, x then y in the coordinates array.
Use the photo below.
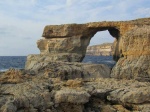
{"type": "Point", "coordinates": [101, 49]}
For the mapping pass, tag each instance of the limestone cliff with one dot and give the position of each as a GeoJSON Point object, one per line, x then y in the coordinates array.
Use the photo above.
{"type": "Point", "coordinates": [104, 49]}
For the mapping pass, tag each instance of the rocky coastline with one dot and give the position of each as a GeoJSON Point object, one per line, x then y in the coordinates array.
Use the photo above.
{"type": "Point", "coordinates": [56, 81]}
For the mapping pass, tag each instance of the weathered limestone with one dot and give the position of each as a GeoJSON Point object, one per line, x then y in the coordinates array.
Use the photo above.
{"type": "Point", "coordinates": [71, 39]}
{"type": "Point", "coordinates": [135, 60]}
{"type": "Point", "coordinates": [41, 93]}
{"type": "Point", "coordinates": [65, 70]}
{"type": "Point", "coordinates": [68, 43]}
{"type": "Point", "coordinates": [72, 96]}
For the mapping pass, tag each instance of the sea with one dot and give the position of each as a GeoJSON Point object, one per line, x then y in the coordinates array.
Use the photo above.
{"type": "Point", "coordinates": [18, 62]}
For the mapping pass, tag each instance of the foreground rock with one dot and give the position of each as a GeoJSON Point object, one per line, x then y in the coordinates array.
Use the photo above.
{"type": "Point", "coordinates": [68, 43]}
{"type": "Point", "coordinates": [41, 93]}
{"type": "Point", "coordinates": [66, 70]}
{"type": "Point", "coordinates": [104, 49]}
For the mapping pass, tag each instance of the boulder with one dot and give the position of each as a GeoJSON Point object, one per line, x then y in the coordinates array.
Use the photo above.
{"type": "Point", "coordinates": [71, 96]}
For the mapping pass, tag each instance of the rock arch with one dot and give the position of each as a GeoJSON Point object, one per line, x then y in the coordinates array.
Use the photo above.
{"type": "Point", "coordinates": [71, 40]}
{"type": "Point", "coordinates": [68, 43]}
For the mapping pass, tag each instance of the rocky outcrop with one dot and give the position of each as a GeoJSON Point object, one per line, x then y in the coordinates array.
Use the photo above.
{"type": "Point", "coordinates": [135, 60]}
{"type": "Point", "coordinates": [65, 70]}
{"type": "Point", "coordinates": [54, 81]}
{"type": "Point", "coordinates": [73, 39]}
{"type": "Point", "coordinates": [68, 43]}
{"type": "Point", "coordinates": [41, 93]}
{"type": "Point", "coordinates": [104, 49]}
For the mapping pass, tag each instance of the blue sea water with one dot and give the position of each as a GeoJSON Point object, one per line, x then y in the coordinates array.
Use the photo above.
{"type": "Point", "coordinates": [7, 62]}
{"type": "Point", "coordinates": [18, 62]}
{"type": "Point", "coordinates": [107, 60]}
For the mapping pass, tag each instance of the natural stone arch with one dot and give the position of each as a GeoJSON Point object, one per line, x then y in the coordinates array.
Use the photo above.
{"type": "Point", "coordinates": [73, 39]}
{"type": "Point", "coordinates": [68, 43]}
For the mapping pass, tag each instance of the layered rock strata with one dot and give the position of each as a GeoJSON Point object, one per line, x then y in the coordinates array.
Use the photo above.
{"type": "Point", "coordinates": [135, 60]}
{"type": "Point", "coordinates": [104, 49]}
{"type": "Point", "coordinates": [68, 43]}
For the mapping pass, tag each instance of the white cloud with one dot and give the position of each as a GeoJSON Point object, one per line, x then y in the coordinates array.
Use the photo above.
{"type": "Point", "coordinates": [69, 2]}
{"type": "Point", "coordinates": [12, 34]}
{"type": "Point", "coordinates": [18, 3]}
{"type": "Point", "coordinates": [145, 12]}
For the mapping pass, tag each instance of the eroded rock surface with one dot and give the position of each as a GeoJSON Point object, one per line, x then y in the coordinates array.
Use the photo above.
{"type": "Point", "coordinates": [135, 60]}
{"type": "Point", "coordinates": [41, 93]}
{"type": "Point", "coordinates": [66, 70]}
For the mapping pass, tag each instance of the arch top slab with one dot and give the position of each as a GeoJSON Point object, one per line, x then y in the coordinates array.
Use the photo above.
{"type": "Point", "coordinates": [69, 30]}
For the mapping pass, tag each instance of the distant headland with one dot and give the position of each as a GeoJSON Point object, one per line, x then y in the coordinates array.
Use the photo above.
{"type": "Point", "coordinates": [105, 49]}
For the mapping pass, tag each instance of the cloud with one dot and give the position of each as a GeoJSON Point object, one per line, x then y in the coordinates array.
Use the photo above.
{"type": "Point", "coordinates": [69, 2]}
{"type": "Point", "coordinates": [145, 12]}
{"type": "Point", "coordinates": [27, 38]}
{"type": "Point", "coordinates": [13, 30]}
{"type": "Point", "coordinates": [21, 3]}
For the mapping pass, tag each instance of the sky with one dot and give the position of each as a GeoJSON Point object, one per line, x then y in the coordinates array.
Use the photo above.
{"type": "Point", "coordinates": [22, 21]}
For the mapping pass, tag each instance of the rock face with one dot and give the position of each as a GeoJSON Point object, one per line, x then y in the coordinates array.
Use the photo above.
{"type": "Point", "coordinates": [65, 70]}
{"type": "Point", "coordinates": [41, 93]}
{"type": "Point", "coordinates": [135, 60]}
{"type": "Point", "coordinates": [68, 43]}
{"type": "Point", "coordinates": [104, 49]}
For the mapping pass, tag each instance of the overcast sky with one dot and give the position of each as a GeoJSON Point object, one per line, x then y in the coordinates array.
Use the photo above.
{"type": "Point", "coordinates": [22, 21]}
